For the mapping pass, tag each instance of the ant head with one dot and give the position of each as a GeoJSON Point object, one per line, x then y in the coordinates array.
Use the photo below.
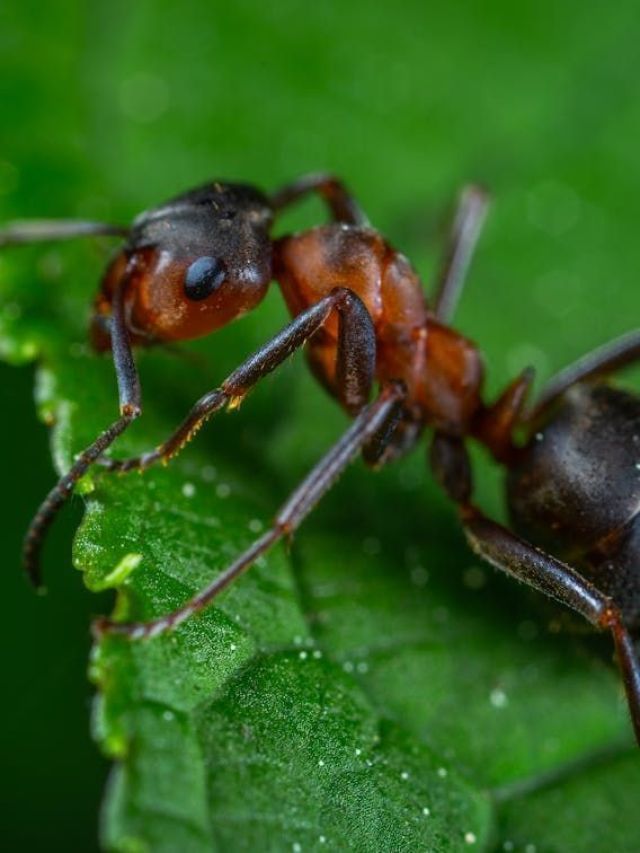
{"type": "Point", "coordinates": [191, 265]}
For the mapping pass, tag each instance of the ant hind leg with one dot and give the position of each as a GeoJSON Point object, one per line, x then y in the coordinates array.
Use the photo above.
{"type": "Point", "coordinates": [503, 549]}
{"type": "Point", "coordinates": [543, 572]}
{"type": "Point", "coordinates": [467, 225]}
{"type": "Point", "coordinates": [601, 362]}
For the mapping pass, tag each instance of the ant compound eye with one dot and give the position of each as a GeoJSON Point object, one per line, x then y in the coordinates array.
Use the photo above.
{"type": "Point", "coordinates": [203, 277]}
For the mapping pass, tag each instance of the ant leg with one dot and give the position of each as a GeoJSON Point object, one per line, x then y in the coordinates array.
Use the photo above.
{"type": "Point", "coordinates": [596, 364]}
{"type": "Point", "coordinates": [355, 371]}
{"type": "Point", "coordinates": [513, 555]}
{"type": "Point", "coordinates": [300, 503]}
{"type": "Point", "coordinates": [130, 409]}
{"type": "Point", "coordinates": [395, 439]}
{"type": "Point", "coordinates": [523, 561]}
{"type": "Point", "coordinates": [467, 225]}
{"type": "Point", "coordinates": [494, 425]}
{"type": "Point", "coordinates": [341, 204]}
{"type": "Point", "coordinates": [40, 230]}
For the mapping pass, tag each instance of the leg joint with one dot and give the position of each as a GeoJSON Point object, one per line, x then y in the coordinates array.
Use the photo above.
{"type": "Point", "coordinates": [610, 618]}
{"type": "Point", "coordinates": [343, 297]}
{"type": "Point", "coordinates": [131, 411]}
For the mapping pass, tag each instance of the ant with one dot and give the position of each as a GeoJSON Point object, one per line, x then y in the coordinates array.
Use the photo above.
{"type": "Point", "coordinates": [206, 257]}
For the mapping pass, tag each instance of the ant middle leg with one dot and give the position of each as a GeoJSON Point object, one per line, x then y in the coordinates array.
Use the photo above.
{"type": "Point", "coordinates": [355, 371]}
{"type": "Point", "coordinates": [372, 421]}
{"type": "Point", "coordinates": [531, 565]}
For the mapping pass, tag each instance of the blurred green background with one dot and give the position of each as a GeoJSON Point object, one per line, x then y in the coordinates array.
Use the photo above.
{"type": "Point", "coordinates": [110, 107]}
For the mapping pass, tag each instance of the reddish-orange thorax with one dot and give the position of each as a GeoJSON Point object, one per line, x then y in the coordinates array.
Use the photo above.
{"type": "Point", "coordinates": [441, 369]}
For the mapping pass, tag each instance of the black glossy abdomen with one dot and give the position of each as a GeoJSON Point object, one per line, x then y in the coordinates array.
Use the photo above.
{"type": "Point", "coordinates": [576, 489]}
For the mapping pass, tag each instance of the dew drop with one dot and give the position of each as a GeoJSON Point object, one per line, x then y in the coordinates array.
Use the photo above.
{"type": "Point", "coordinates": [498, 698]}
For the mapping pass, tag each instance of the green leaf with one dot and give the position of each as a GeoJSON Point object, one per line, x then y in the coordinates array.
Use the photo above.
{"type": "Point", "coordinates": [375, 687]}
{"type": "Point", "coordinates": [244, 724]}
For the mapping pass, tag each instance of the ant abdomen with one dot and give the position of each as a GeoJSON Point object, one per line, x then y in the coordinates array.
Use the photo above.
{"type": "Point", "coordinates": [576, 487]}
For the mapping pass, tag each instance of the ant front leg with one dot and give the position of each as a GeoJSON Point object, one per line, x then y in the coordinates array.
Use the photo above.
{"type": "Point", "coordinates": [372, 421]}
{"type": "Point", "coordinates": [533, 566]}
{"type": "Point", "coordinates": [41, 230]}
{"type": "Point", "coordinates": [130, 409]}
{"type": "Point", "coordinates": [355, 371]}
{"type": "Point", "coordinates": [341, 204]}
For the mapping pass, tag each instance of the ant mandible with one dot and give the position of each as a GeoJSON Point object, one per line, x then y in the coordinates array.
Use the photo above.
{"type": "Point", "coordinates": [206, 257]}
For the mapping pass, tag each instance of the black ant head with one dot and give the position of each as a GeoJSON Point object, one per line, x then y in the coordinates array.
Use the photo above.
{"type": "Point", "coordinates": [191, 265]}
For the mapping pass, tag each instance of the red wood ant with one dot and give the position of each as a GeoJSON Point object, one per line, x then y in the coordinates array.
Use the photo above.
{"type": "Point", "coordinates": [206, 257]}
